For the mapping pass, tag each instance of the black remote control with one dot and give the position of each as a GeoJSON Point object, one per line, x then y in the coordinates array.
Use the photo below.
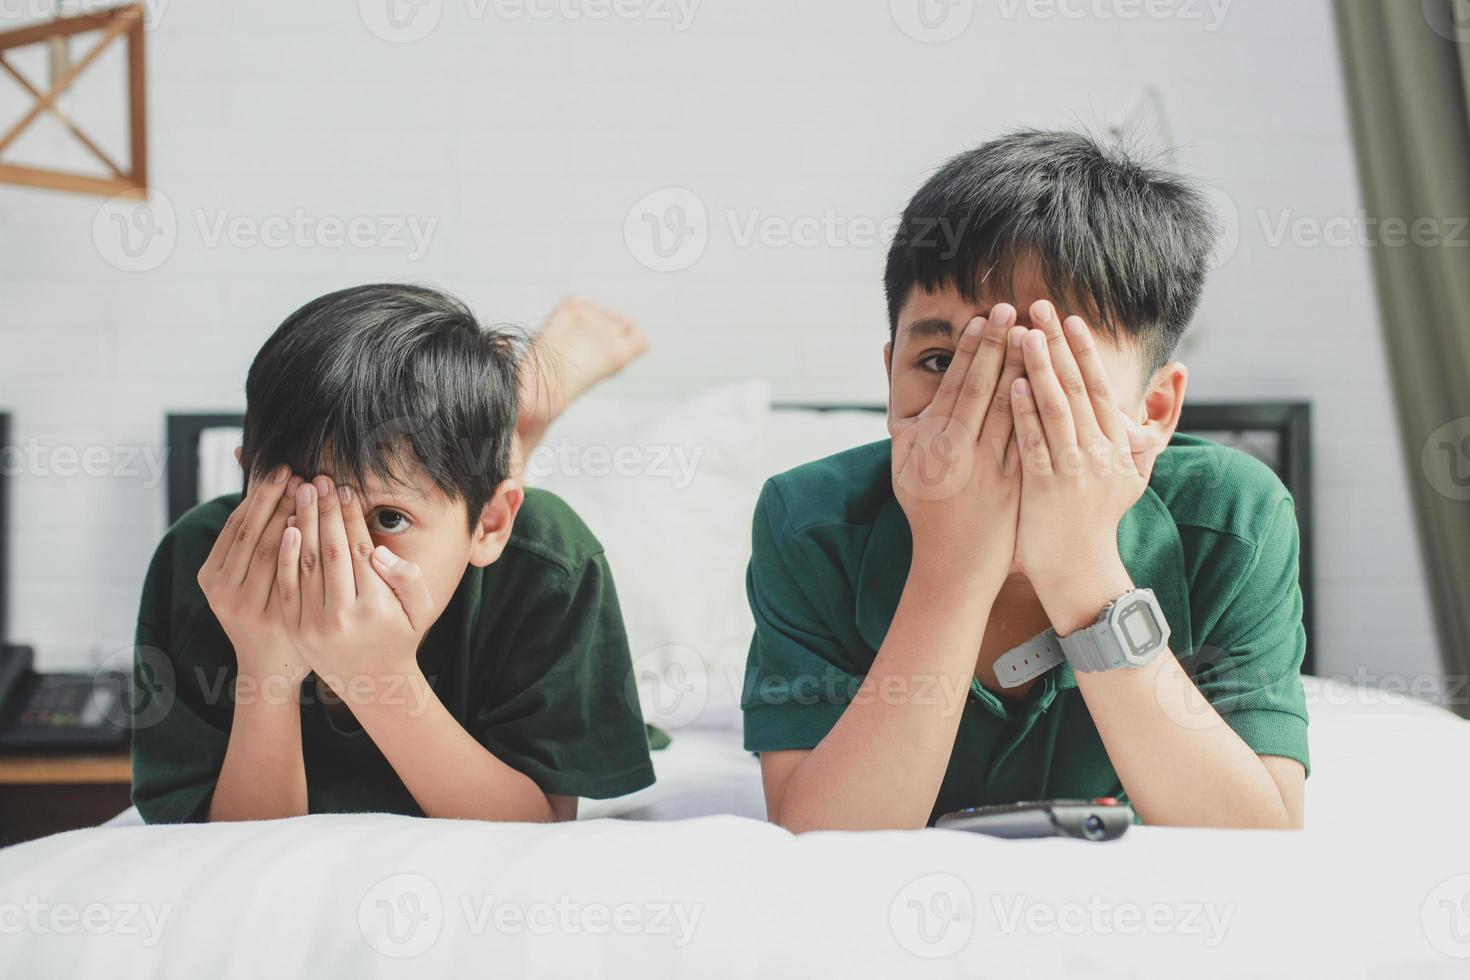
{"type": "Point", "coordinates": [1101, 819]}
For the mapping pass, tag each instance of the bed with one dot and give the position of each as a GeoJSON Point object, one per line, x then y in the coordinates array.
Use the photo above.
{"type": "Point", "coordinates": [685, 879]}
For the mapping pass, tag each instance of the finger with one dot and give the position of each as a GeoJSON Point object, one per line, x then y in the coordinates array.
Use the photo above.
{"type": "Point", "coordinates": [978, 387]}
{"type": "Point", "coordinates": [407, 582]}
{"type": "Point", "coordinates": [288, 579]}
{"type": "Point", "coordinates": [943, 403]}
{"type": "Point", "coordinates": [1105, 408]}
{"type": "Point", "coordinates": [1031, 446]}
{"type": "Point", "coordinates": [998, 428]}
{"type": "Point", "coordinates": [262, 573]}
{"type": "Point", "coordinates": [1046, 392]}
{"type": "Point", "coordinates": [341, 588]}
{"type": "Point", "coordinates": [1044, 315]}
{"type": "Point", "coordinates": [312, 593]}
{"type": "Point", "coordinates": [227, 535]}
{"type": "Point", "coordinates": [264, 498]}
{"type": "Point", "coordinates": [359, 541]}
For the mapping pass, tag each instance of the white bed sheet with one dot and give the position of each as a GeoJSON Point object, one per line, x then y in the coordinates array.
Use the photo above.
{"type": "Point", "coordinates": [1378, 886]}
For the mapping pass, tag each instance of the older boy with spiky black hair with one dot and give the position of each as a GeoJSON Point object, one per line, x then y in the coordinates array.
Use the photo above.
{"type": "Point", "coordinates": [459, 637]}
{"type": "Point", "coordinates": [1036, 588]}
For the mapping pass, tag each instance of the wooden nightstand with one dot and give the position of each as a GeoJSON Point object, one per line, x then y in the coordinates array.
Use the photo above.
{"type": "Point", "coordinates": [43, 794]}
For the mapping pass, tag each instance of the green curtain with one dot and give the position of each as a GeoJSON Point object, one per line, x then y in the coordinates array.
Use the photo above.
{"type": "Point", "coordinates": [1407, 70]}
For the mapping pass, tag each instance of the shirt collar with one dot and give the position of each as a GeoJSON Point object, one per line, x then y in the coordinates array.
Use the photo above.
{"type": "Point", "coordinates": [1148, 543]}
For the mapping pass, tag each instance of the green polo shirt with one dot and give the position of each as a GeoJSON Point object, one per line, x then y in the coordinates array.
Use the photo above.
{"type": "Point", "coordinates": [1214, 535]}
{"type": "Point", "coordinates": [530, 656]}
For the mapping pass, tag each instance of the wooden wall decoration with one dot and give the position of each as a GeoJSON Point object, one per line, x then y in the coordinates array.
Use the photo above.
{"type": "Point", "coordinates": [125, 23]}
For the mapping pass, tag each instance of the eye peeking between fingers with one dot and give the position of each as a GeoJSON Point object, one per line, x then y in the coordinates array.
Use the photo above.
{"type": "Point", "coordinates": [935, 362]}
{"type": "Point", "coordinates": [388, 521]}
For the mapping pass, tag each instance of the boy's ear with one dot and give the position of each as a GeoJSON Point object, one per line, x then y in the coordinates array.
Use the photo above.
{"type": "Point", "coordinates": [1163, 401]}
{"type": "Point", "coordinates": [888, 360]}
{"type": "Point", "coordinates": [495, 524]}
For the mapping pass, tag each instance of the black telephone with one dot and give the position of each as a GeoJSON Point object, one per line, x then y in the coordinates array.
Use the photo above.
{"type": "Point", "coordinates": [41, 712]}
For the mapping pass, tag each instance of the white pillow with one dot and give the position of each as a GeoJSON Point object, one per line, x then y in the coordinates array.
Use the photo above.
{"type": "Point", "coordinates": [669, 487]}
{"type": "Point", "coordinates": [797, 436]}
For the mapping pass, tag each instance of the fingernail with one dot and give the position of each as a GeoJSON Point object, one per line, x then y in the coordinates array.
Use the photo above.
{"type": "Point", "coordinates": [1002, 313]}
{"type": "Point", "coordinates": [323, 485]}
{"type": "Point", "coordinates": [291, 537]}
{"type": "Point", "coordinates": [294, 485]}
{"type": "Point", "coordinates": [1076, 327]}
{"type": "Point", "coordinates": [306, 495]}
{"type": "Point", "coordinates": [975, 326]}
{"type": "Point", "coordinates": [1018, 334]}
{"type": "Point", "coordinates": [1035, 340]}
{"type": "Point", "coordinates": [388, 558]}
{"type": "Point", "coordinates": [279, 476]}
{"type": "Point", "coordinates": [1044, 310]}
{"type": "Point", "coordinates": [1021, 389]}
{"type": "Point", "coordinates": [345, 495]}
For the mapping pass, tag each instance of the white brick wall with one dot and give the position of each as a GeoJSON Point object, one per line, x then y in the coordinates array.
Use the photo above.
{"type": "Point", "coordinates": [527, 140]}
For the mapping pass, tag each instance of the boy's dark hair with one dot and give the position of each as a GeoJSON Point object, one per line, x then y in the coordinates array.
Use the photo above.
{"type": "Point", "coordinates": [1117, 240]}
{"type": "Point", "coordinates": [367, 381]}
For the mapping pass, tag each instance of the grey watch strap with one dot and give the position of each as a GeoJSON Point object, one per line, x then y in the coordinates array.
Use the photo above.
{"type": "Point", "coordinates": [1084, 653]}
{"type": "Point", "coordinates": [1031, 659]}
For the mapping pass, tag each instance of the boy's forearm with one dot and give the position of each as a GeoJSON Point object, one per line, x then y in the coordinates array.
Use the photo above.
{"type": "Point", "coordinates": [882, 764]}
{"type": "Point", "coordinates": [1178, 761]}
{"type": "Point", "coordinates": [263, 776]}
{"type": "Point", "coordinates": [447, 771]}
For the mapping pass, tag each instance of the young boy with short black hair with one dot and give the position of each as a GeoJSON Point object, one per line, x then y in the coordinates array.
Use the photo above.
{"type": "Point", "coordinates": [1035, 588]}
{"type": "Point", "coordinates": [459, 637]}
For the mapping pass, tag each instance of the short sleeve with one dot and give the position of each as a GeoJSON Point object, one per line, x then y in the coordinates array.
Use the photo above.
{"type": "Point", "coordinates": [563, 710]}
{"type": "Point", "coordinates": [180, 704]}
{"type": "Point", "coordinates": [1249, 665]}
{"type": "Point", "coordinates": [796, 686]}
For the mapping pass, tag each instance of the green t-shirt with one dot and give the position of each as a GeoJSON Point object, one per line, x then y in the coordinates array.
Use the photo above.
{"type": "Point", "coordinates": [1214, 536]}
{"type": "Point", "coordinates": [530, 656]}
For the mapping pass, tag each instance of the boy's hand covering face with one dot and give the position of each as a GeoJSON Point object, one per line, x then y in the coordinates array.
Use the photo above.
{"type": "Point", "coordinates": [954, 469]}
{"type": "Point", "coordinates": [1084, 461]}
{"type": "Point", "coordinates": [238, 579]}
{"type": "Point", "coordinates": [354, 611]}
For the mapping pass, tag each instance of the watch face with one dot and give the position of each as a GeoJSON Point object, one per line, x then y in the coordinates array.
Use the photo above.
{"type": "Point", "coordinates": [1139, 630]}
